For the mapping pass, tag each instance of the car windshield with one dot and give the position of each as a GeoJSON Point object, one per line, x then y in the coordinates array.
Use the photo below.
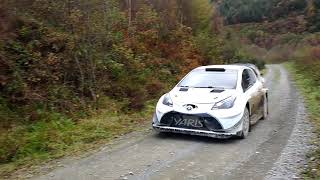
{"type": "Point", "coordinates": [210, 79]}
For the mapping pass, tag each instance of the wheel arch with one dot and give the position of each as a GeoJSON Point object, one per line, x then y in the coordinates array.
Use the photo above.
{"type": "Point", "coordinates": [249, 108]}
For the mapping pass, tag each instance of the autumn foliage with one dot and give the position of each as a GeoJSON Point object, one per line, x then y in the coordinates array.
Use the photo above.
{"type": "Point", "coordinates": [63, 56]}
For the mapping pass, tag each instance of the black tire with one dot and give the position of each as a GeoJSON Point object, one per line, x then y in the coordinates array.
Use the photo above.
{"type": "Point", "coordinates": [265, 108]}
{"type": "Point", "coordinates": [245, 124]}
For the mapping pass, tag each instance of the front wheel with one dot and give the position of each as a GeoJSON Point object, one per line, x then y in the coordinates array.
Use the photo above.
{"type": "Point", "coordinates": [245, 124]}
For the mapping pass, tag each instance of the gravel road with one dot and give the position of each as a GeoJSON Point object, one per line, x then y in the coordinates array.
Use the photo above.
{"type": "Point", "coordinates": [275, 148]}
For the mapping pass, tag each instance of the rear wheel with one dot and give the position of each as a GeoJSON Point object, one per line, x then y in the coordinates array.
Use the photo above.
{"type": "Point", "coordinates": [245, 124]}
{"type": "Point", "coordinates": [265, 108]}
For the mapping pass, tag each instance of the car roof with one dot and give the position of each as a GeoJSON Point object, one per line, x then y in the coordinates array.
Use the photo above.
{"type": "Point", "coordinates": [235, 67]}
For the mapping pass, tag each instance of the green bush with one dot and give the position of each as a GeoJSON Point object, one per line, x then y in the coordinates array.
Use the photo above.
{"type": "Point", "coordinates": [38, 139]}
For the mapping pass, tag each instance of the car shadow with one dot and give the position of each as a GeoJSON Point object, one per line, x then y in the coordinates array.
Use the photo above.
{"type": "Point", "coordinates": [195, 138]}
{"type": "Point", "coordinates": [256, 125]}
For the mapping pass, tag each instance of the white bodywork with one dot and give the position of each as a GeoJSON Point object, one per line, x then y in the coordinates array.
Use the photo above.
{"type": "Point", "coordinates": [204, 99]}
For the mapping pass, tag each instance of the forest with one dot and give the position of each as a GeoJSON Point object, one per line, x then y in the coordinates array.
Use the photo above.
{"type": "Point", "coordinates": [68, 65]}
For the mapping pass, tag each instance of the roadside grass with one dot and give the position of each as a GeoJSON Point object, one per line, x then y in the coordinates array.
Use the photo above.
{"type": "Point", "coordinates": [58, 136]}
{"type": "Point", "coordinates": [311, 92]}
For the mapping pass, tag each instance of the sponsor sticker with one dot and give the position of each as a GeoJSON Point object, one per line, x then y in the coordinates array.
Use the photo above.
{"type": "Point", "coordinates": [188, 121]}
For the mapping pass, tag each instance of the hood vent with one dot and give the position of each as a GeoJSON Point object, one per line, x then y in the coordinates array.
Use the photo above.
{"type": "Point", "coordinates": [184, 89]}
{"type": "Point", "coordinates": [217, 90]}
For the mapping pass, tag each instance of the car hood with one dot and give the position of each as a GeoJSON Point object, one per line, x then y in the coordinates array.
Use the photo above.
{"type": "Point", "coordinates": [200, 95]}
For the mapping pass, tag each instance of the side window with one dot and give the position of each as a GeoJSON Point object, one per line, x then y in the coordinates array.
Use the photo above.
{"type": "Point", "coordinates": [245, 80]}
{"type": "Point", "coordinates": [253, 77]}
{"type": "Point", "coordinates": [248, 79]}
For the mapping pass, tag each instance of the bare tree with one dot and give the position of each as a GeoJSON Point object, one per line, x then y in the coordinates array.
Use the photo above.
{"type": "Point", "coordinates": [129, 2]}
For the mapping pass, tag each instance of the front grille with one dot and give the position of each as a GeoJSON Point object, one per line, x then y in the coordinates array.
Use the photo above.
{"type": "Point", "coordinates": [176, 119]}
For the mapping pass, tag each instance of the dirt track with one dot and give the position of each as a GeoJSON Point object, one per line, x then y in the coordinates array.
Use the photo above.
{"type": "Point", "coordinates": [275, 148]}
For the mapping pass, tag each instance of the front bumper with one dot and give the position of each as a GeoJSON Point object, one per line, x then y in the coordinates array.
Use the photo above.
{"type": "Point", "coordinates": [210, 129]}
{"type": "Point", "coordinates": [220, 135]}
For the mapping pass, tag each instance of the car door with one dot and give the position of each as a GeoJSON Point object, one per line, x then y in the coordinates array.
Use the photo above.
{"type": "Point", "coordinates": [259, 93]}
{"type": "Point", "coordinates": [251, 87]}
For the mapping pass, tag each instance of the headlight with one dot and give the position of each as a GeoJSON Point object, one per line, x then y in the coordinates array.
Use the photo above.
{"type": "Point", "coordinates": [225, 103]}
{"type": "Point", "coordinates": [167, 100]}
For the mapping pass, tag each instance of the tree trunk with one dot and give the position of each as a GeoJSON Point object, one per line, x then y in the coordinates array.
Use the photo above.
{"type": "Point", "coordinates": [129, 14]}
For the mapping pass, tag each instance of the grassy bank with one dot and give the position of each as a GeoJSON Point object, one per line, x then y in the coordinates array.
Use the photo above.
{"type": "Point", "coordinates": [310, 89]}
{"type": "Point", "coordinates": [57, 136]}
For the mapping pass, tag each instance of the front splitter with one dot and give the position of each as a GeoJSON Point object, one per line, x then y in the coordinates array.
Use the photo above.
{"type": "Point", "coordinates": [220, 135]}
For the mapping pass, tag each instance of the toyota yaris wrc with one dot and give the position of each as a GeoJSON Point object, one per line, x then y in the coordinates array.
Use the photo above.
{"type": "Point", "coordinates": [218, 101]}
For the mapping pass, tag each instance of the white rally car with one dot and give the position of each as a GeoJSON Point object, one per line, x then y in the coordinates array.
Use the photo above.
{"type": "Point", "coordinates": [218, 101]}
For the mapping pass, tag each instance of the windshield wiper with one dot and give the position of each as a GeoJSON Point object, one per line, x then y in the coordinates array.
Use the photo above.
{"type": "Point", "coordinates": [210, 87]}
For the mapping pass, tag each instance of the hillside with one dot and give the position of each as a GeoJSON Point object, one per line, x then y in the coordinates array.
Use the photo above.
{"type": "Point", "coordinates": [69, 65]}
{"type": "Point", "coordinates": [282, 31]}
{"type": "Point", "coordinates": [75, 74]}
